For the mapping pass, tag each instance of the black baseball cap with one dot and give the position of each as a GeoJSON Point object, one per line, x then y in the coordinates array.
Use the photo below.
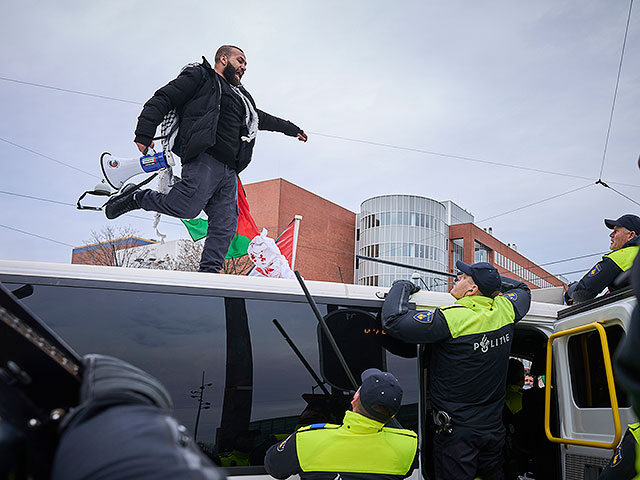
{"type": "Point", "coordinates": [628, 221]}
{"type": "Point", "coordinates": [380, 388]}
{"type": "Point", "coordinates": [484, 275]}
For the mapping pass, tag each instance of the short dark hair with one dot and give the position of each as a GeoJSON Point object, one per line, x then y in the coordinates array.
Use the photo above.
{"type": "Point", "coordinates": [225, 50]}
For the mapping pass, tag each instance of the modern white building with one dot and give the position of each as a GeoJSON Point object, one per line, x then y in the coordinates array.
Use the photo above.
{"type": "Point", "coordinates": [406, 229]}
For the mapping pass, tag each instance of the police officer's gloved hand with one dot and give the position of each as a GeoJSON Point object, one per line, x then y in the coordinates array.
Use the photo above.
{"type": "Point", "coordinates": [407, 283]}
{"type": "Point", "coordinates": [110, 381]}
{"type": "Point", "coordinates": [567, 295]}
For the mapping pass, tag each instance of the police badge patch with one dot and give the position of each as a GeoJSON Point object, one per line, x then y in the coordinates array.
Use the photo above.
{"type": "Point", "coordinates": [511, 296]}
{"type": "Point", "coordinates": [594, 271]}
{"type": "Point", "coordinates": [423, 317]}
{"type": "Point", "coordinates": [280, 447]}
{"type": "Point", "coordinates": [617, 458]}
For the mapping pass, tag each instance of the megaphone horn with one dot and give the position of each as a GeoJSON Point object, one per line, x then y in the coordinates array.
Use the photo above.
{"type": "Point", "coordinates": [117, 171]}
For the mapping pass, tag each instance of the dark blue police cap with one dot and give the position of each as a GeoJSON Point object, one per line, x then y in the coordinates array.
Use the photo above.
{"type": "Point", "coordinates": [484, 275]}
{"type": "Point", "coordinates": [628, 221]}
{"type": "Point", "coordinates": [380, 388]}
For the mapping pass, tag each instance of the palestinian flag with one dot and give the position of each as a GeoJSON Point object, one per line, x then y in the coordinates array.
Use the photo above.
{"type": "Point", "coordinates": [246, 231]}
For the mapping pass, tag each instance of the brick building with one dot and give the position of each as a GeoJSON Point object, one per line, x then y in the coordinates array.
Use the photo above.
{"type": "Point", "coordinates": [469, 243]}
{"type": "Point", "coordinates": [327, 231]}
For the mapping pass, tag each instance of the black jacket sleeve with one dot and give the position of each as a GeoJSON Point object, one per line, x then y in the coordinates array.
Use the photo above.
{"type": "Point", "coordinates": [595, 281]}
{"type": "Point", "coordinates": [519, 294]}
{"type": "Point", "coordinates": [275, 124]}
{"type": "Point", "coordinates": [281, 460]}
{"type": "Point", "coordinates": [411, 326]}
{"type": "Point", "coordinates": [173, 95]}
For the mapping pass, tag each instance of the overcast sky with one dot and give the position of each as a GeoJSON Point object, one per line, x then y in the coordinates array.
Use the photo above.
{"type": "Point", "coordinates": [526, 84]}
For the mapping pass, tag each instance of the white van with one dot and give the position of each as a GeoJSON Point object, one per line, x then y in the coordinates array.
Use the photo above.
{"type": "Point", "coordinates": [217, 342]}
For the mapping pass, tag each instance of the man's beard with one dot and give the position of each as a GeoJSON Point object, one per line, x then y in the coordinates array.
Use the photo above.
{"type": "Point", "coordinates": [229, 73]}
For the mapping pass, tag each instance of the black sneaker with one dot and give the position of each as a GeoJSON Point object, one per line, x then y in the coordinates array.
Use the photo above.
{"type": "Point", "coordinates": [123, 203]}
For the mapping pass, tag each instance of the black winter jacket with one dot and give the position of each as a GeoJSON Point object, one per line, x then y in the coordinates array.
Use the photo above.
{"type": "Point", "coordinates": [195, 94]}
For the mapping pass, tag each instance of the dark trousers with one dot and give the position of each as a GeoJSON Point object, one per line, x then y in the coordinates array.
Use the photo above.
{"type": "Point", "coordinates": [466, 454]}
{"type": "Point", "coordinates": [208, 185]}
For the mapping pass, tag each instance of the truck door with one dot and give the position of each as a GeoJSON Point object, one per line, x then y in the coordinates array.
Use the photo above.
{"type": "Point", "coordinates": [593, 410]}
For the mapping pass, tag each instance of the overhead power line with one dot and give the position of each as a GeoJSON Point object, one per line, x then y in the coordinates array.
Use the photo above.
{"type": "Point", "coordinates": [571, 259]}
{"type": "Point", "coordinates": [48, 157]}
{"type": "Point", "coordinates": [446, 155]}
{"type": "Point", "coordinates": [77, 92]}
{"type": "Point", "coordinates": [74, 205]}
{"type": "Point", "coordinates": [36, 198]}
{"type": "Point", "coordinates": [600, 182]}
{"type": "Point", "coordinates": [536, 203]}
{"type": "Point", "coordinates": [615, 92]}
{"type": "Point", "coordinates": [36, 235]}
{"type": "Point", "coordinates": [338, 137]}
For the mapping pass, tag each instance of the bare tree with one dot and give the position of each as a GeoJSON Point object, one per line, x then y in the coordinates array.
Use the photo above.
{"type": "Point", "coordinates": [111, 246]}
{"type": "Point", "coordinates": [237, 266]}
{"type": "Point", "coordinates": [119, 246]}
{"type": "Point", "coordinates": [189, 256]}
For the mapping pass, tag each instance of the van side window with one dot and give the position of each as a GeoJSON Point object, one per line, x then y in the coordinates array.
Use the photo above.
{"type": "Point", "coordinates": [232, 376]}
{"type": "Point", "coordinates": [350, 327]}
{"type": "Point", "coordinates": [586, 363]}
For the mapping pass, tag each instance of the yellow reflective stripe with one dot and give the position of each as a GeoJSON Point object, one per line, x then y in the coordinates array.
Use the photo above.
{"type": "Point", "coordinates": [482, 314]}
{"type": "Point", "coordinates": [637, 477]}
{"type": "Point", "coordinates": [623, 257]}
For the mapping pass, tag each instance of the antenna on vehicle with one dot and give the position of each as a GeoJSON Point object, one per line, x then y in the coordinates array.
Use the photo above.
{"type": "Point", "coordinates": [301, 357]}
{"type": "Point", "coordinates": [326, 331]}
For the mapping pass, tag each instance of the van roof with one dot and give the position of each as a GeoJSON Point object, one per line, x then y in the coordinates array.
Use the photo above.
{"type": "Point", "coordinates": [178, 279]}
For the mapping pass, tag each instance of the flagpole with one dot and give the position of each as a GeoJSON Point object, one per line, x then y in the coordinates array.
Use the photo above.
{"type": "Point", "coordinates": [296, 230]}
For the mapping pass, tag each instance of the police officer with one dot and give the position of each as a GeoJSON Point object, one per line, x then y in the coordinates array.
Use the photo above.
{"type": "Point", "coordinates": [623, 464]}
{"type": "Point", "coordinates": [361, 448]}
{"type": "Point", "coordinates": [123, 430]}
{"type": "Point", "coordinates": [627, 371]}
{"type": "Point", "coordinates": [604, 273]}
{"type": "Point", "coordinates": [469, 357]}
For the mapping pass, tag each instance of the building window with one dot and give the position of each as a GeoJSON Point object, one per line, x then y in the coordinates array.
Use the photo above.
{"type": "Point", "coordinates": [481, 252]}
{"type": "Point", "coordinates": [457, 247]}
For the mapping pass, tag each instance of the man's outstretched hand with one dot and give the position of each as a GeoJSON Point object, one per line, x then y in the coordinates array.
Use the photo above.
{"type": "Point", "coordinates": [302, 137]}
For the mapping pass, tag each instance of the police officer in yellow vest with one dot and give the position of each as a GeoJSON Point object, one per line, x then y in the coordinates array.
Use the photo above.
{"type": "Point", "coordinates": [471, 341]}
{"type": "Point", "coordinates": [623, 464]}
{"type": "Point", "coordinates": [361, 448]}
{"type": "Point", "coordinates": [627, 371]}
{"type": "Point", "coordinates": [603, 275]}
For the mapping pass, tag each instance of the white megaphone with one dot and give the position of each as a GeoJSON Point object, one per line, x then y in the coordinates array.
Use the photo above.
{"type": "Point", "coordinates": [117, 171]}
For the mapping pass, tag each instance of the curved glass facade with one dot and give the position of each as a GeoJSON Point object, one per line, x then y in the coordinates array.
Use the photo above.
{"type": "Point", "coordinates": [406, 229]}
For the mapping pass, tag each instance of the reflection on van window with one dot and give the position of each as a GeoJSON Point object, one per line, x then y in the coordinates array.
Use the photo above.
{"type": "Point", "coordinates": [233, 377]}
{"type": "Point", "coordinates": [588, 375]}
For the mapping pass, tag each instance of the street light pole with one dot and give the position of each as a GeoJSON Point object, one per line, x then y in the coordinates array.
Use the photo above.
{"type": "Point", "coordinates": [198, 395]}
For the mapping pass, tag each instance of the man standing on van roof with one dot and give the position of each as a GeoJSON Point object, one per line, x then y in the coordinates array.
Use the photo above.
{"type": "Point", "coordinates": [361, 448]}
{"type": "Point", "coordinates": [603, 275]}
{"type": "Point", "coordinates": [218, 125]}
{"type": "Point", "coordinates": [468, 370]}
